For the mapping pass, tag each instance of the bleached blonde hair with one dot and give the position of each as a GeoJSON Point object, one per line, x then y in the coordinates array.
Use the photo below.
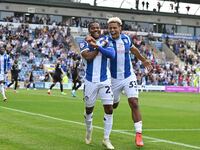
{"type": "Point", "coordinates": [114, 19]}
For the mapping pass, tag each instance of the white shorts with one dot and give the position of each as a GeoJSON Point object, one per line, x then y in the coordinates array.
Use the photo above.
{"type": "Point", "coordinates": [129, 85]}
{"type": "Point", "coordinates": [94, 90]}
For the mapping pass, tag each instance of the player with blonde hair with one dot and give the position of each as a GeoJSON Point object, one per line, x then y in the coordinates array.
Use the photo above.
{"type": "Point", "coordinates": [123, 76]}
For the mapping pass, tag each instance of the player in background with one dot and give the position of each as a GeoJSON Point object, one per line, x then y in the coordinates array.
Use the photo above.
{"type": "Point", "coordinates": [57, 77]}
{"type": "Point", "coordinates": [123, 76]}
{"type": "Point", "coordinates": [97, 81]}
{"type": "Point", "coordinates": [14, 75]}
{"type": "Point", "coordinates": [75, 74]}
{"type": "Point", "coordinates": [4, 68]}
{"type": "Point", "coordinates": [31, 80]}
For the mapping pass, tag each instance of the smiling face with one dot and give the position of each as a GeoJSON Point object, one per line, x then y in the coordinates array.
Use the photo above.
{"type": "Point", "coordinates": [94, 29]}
{"type": "Point", "coordinates": [114, 29]}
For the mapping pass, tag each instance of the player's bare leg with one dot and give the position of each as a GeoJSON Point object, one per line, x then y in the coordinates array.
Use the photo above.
{"type": "Point", "coordinates": [136, 116]}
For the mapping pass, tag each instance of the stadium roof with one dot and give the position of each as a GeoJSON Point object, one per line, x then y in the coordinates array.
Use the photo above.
{"type": "Point", "coordinates": [87, 6]}
{"type": "Point", "coordinates": [58, 3]}
{"type": "Point", "coordinates": [185, 1]}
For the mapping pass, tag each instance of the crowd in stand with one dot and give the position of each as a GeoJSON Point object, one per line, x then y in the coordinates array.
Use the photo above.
{"type": "Point", "coordinates": [168, 73]}
{"type": "Point", "coordinates": [187, 52]}
{"type": "Point", "coordinates": [37, 47]}
{"type": "Point", "coordinates": [42, 46]}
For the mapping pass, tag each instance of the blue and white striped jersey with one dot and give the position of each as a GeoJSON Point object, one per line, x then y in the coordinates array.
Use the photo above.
{"type": "Point", "coordinates": [97, 70]}
{"type": "Point", "coordinates": [5, 65]}
{"type": "Point", "coordinates": [121, 67]}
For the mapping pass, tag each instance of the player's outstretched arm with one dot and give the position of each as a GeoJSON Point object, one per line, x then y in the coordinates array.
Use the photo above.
{"type": "Point", "coordinates": [146, 62]}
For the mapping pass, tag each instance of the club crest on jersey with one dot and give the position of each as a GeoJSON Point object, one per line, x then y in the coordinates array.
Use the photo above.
{"type": "Point", "coordinates": [125, 41]}
{"type": "Point", "coordinates": [110, 44]}
{"type": "Point", "coordinates": [82, 44]}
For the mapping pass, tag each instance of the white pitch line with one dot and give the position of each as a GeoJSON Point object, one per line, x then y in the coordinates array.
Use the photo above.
{"type": "Point", "coordinates": [161, 140]}
{"type": "Point", "coordinates": [153, 141]}
{"type": "Point", "coordinates": [197, 129]}
{"type": "Point", "coordinates": [66, 96]}
{"type": "Point", "coordinates": [97, 127]}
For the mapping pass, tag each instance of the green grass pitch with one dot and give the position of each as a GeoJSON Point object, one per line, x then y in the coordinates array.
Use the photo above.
{"type": "Point", "coordinates": [33, 120]}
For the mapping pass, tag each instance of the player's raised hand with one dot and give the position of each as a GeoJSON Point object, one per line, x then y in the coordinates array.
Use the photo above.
{"type": "Point", "coordinates": [89, 39]}
{"type": "Point", "coordinates": [93, 44]}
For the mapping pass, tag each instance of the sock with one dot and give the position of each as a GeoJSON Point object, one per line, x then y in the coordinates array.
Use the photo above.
{"type": "Point", "coordinates": [79, 85]}
{"type": "Point", "coordinates": [3, 90]}
{"type": "Point", "coordinates": [16, 82]}
{"type": "Point", "coordinates": [108, 122]}
{"type": "Point", "coordinates": [61, 87]}
{"type": "Point", "coordinates": [88, 121]}
{"type": "Point", "coordinates": [138, 127]}
{"type": "Point", "coordinates": [28, 86]}
{"type": "Point", "coordinates": [10, 84]}
{"type": "Point", "coordinates": [52, 86]}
